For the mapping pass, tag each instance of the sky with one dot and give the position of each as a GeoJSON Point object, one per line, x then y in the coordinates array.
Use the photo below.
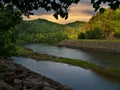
{"type": "Point", "coordinates": [83, 11]}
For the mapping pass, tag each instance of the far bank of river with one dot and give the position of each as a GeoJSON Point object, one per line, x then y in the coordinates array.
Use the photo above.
{"type": "Point", "coordinates": [112, 46]}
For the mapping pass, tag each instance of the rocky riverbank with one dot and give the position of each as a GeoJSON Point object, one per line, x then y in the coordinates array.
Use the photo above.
{"type": "Point", "coordinates": [98, 45]}
{"type": "Point", "coordinates": [15, 77]}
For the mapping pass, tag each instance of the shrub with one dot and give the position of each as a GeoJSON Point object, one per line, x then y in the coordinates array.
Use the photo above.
{"type": "Point", "coordinates": [89, 35]}
{"type": "Point", "coordinates": [117, 34]}
{"type": "Point", "coordinates": [81, 35]}
{"type": "Point", "coordinates": [97, 33]}
{"type": "Point", "coordinates": [93, 34]}
{"type": "Point", "coordinates": [7, 43]}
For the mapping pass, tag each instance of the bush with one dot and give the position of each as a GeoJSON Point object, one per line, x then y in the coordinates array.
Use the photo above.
{"type": "Point", "coordinates": [97, 33]}
{"type": "Point", "coordinates": [88, 35]}
{"type": "Point", "coordinates": [7, 46]}
{"type": "Point", "coordinates": [117, 34]}
{"type": "Point", "coordinates": [93, 34]}
{"type": "Point", "coordinates": [9, 17]}
{"type": "Point", "coordinates": [81, 35]}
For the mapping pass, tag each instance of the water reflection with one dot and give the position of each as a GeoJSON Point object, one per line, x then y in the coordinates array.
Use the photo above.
{"type": "Point", "coordinates": [72, 76]}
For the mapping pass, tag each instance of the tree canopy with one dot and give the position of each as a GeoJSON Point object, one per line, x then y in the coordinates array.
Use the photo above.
{"type": "Point", "coordinates": [60, 7]}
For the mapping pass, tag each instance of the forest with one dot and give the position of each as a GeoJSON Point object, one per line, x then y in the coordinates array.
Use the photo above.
{"type": "Point", "coordinates": [102, 26]}
{"type": "Point", "coordinates": [43, 31]}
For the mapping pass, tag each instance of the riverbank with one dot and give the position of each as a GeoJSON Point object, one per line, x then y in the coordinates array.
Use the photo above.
{"type": "Point", "coordinates": [110, 46]}
{"type": "Point", "coordinates": [16, 77]}
{"type": "Point", "coordinates": [103, 71]}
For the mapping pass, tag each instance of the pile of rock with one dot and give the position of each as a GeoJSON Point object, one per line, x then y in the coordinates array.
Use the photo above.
{"type": "Point", "coordinates": [16, 77]}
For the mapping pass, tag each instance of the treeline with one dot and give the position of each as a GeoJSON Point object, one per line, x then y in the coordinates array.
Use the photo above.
{"type": "Point", "coordinates": [43, 31]}
{"type": "Point", "coordinates": [102, 26]}
{"type": "Point", "coordinates": [54, 37]}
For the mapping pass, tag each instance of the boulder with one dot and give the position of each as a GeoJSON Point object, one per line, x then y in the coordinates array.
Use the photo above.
{"type": "Point", "coordinates": [17, 81]}
{"type": "Point", "coordinates": [33, 83]}
{"type": "Point", "coordinates": [10, 79]}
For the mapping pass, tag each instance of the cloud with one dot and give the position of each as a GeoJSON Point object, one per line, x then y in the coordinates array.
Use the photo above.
{"type": "Point", "coordinates": [83, 11]}
{"type": "Point", "coordinates": [41, 11]}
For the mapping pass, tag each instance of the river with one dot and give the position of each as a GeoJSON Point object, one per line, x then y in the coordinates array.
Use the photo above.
{"type": "Point", "coordinates": [72, 76]}
{"type": "Point", "coordinates": [103, 59]}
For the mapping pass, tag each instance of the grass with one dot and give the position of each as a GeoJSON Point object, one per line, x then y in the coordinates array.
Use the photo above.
{"type": "Point", "coordinates": [104, 71]}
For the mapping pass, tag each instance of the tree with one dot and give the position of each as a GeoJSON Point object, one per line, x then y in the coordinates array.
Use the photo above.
{"type": "Point", "coordinates": [12, 10]}
{"type": "Point", "coordinates": [60, 7]}
{"type": "Point", "coordinates": [9, 17]}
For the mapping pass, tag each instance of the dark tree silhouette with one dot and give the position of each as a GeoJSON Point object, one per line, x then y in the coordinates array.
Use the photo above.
{"type": "Point", "coordinates": [60, 7]}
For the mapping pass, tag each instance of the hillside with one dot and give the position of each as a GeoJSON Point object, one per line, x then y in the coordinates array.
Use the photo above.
{"type": "Point", "coordinates": [39, 25]}
{"type": "Point", "coordinates": [41, 30]}
{"type": "Point", "coordinates": [107, 23]}
{"type": "Point", "coordinates": [77, 24]}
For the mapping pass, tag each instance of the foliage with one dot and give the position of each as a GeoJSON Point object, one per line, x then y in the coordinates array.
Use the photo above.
{"type": "Point", "coordinates": [97, 33]}
{"type": "Point", "coordinates": [108, 23]}
{"type": "Point", "coordinates": [60, 7]}
{"type": "Point", "coordinates": [77, 24]}
{"type": "Point", "coordinates": [114, 4]}
{"type": "Point", "coordinates": [7, 43]}
{"type": "Point", "coordinates": [81, 35]}
{"type": "Point", "coordinates": [43, 31]}
{"type": "Point", "coordinates": [91, 34]}
{"type": "Point", "coordinates": [8, 18]}
{"type": "Point", "coordinates": [117, 34]}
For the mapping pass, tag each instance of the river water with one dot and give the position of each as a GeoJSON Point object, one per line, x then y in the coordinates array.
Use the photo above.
{"type": "Point", "coordinates": [72, 76]}
{"type": "Point", "coordinates": [103, 59]}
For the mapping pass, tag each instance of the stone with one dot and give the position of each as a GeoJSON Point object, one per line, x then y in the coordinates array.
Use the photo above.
{"type": "Point", "coordinates": [48, 88]}
{"type": "Point", "coordinates": [46, 83]}
{"type": "Point", "coordinates": [33, 83]}
{"type": "Point", "coordinates": [22, 76]}
{"type": "Point", "coordinates": [5, 86]}
{"type": "Point", "coordinates": [16, 77]}
{"type": "Point", "coordinates": [18, 71]}
{"type": "Point", "coordinates": [10, 79]}
{"type": "Point", "coordinates": [17, 81]}
{"type": "Point", "coordinates": [2, 76]}
{"type": "Point", "coordinates": [18, 87]}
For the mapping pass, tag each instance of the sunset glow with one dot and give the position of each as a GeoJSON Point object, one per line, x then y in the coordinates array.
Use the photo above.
{"type": "Point", "coordinates": [80, 12]}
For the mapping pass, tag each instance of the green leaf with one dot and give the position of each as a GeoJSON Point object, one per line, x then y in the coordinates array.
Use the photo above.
{"type": "Point", "coordinates": [101, 10]}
